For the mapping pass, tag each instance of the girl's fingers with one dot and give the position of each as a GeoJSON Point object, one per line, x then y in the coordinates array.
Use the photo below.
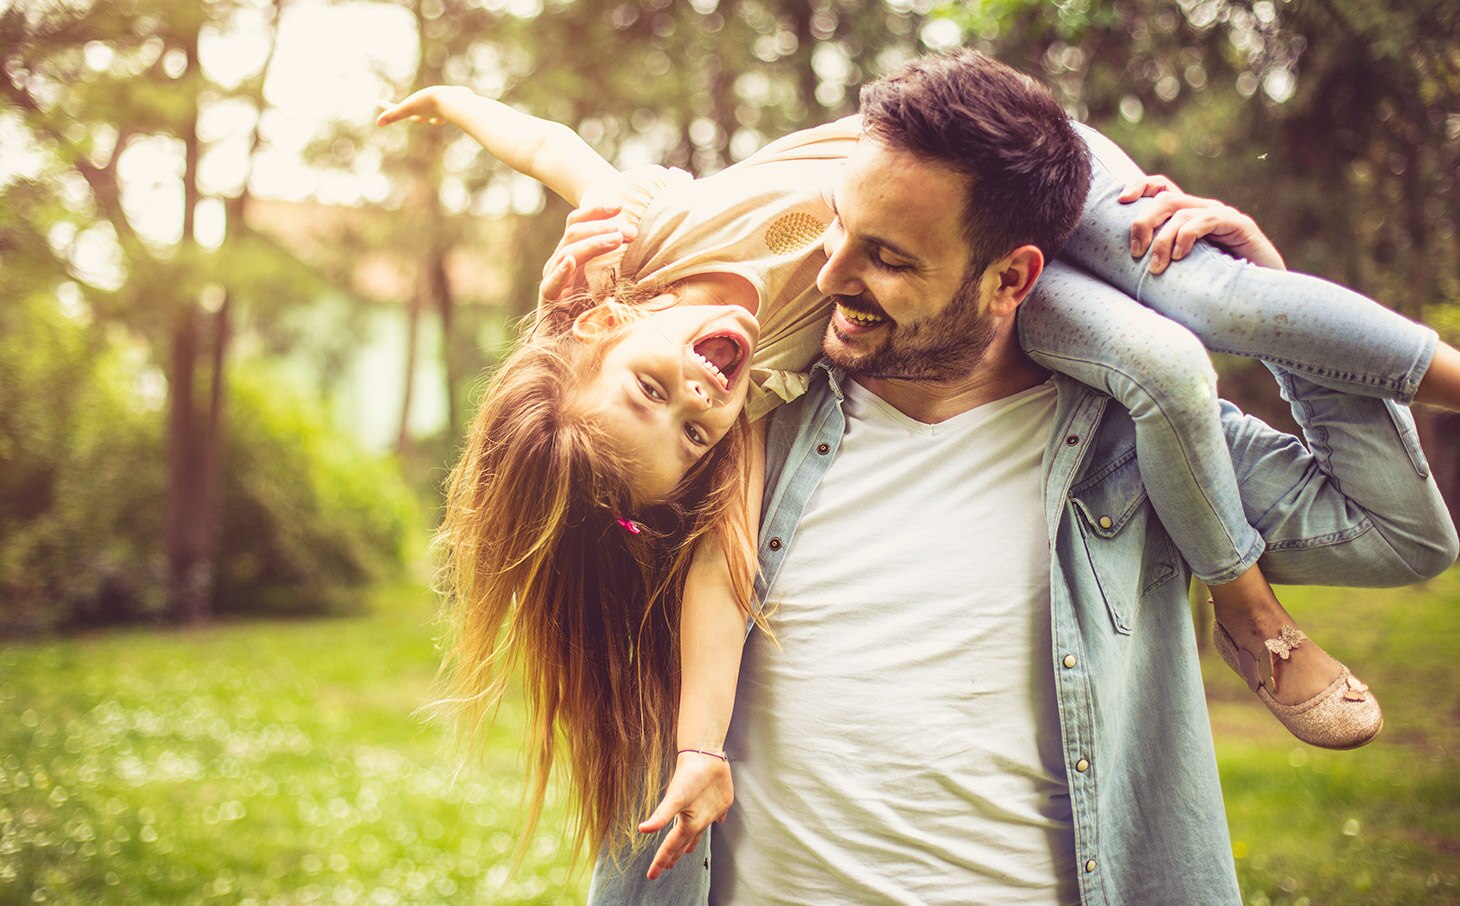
{"type": "Point", "coordinates": [596, 212]}
{"type": "Point", "coordinates": [1147, 187]}
{"type": "Point", "coordinates": [1161, 246]}
{"type": "Point", "coordinates": [669, 851]}
{"type": "Point", "coordinates": [1186, 238]}
{"type": "Point", "coordinates": [591, 248]}
{"type": "Point", "coordinates": [1141, 231]}
{"type": "Point", "coordinates": [556, 280]}
{"type": "Point", "coordinates": [595, 229]}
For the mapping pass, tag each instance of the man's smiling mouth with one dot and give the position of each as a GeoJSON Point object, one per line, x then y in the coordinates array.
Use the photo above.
{"type": "Point", "coordinates": [858, 317]}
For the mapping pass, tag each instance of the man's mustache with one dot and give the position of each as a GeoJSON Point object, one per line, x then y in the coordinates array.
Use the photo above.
{"type": "Point", "coordinates": [862, 304]}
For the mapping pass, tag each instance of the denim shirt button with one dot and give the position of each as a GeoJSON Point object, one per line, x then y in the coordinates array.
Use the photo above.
{"type": "Point", "coordinates": [1105, 522]}
{"type": "Point", "coordinates": [1089, 865]}
{"type": "Point", "coordinates": [1072, 439]}
{"type": "Point", "coordinates": [823, 449]}
{"type": "Point", "coordinates": [1082, 765]}
{"type": "Point", "coordinates": [775, 544]}
{"type": "Point", "coordinates": [1069, 660]}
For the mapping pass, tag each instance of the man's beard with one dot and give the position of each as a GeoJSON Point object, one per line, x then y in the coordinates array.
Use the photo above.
{"type": "Point", "coordinates": [946, 347]}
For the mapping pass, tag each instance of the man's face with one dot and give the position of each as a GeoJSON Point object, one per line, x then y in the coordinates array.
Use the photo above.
{"type": "Point", "coordinates": [896, 267]}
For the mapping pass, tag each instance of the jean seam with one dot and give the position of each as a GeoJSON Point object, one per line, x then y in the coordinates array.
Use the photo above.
{"type": "Point", "coordinates": [1338, 537]}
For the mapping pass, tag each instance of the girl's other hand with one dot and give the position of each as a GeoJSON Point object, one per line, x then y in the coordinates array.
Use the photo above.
{"type": "Point", "coordinates": [1171, 224]}
{"type": "Point", "coordinates": [1147, 186]}
{"type": "Point", "coordinates": [588, 233]}
{"type": "Point", "coordinates": [699, 793]}
{"type": "Point", "coordinates": [433, 105]}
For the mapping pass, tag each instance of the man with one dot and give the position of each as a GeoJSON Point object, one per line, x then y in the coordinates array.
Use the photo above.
{"type": "Point", "coordinates": [985, 689]}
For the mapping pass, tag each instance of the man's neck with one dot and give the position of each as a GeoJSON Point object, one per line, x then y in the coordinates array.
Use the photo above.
{"type": "Point", "coordinates": [1003, 371]}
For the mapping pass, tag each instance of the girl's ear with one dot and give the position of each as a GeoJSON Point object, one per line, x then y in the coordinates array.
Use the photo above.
{"type": "Point", "coordinates": [593, 323]}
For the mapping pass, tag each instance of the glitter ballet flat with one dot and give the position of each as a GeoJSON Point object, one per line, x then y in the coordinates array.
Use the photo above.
{"type": "Point", "coordinates": [1345, 715]}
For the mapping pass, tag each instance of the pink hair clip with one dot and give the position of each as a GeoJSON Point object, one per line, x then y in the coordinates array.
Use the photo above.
{"type": "Point", "coordinates": [629, 525]}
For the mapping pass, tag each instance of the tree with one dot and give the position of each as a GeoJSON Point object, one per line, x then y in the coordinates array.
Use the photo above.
{"type": "Point", "coordinates": [95, 84]}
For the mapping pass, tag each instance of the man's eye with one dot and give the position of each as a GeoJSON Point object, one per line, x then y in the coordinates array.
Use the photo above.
{"type": "Point", "coordinates": [695, 435]}
{"type": "Point", "coordinates": [886, 265]}
{"type": "Point", "coordinates": [650, 390]}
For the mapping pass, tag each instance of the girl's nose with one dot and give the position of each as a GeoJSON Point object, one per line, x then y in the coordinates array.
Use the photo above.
{"type": "Point", "coordinates": [699, 391]}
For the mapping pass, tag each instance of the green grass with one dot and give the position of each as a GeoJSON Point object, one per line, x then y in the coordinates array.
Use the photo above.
{"type": "Point", "coordinates": [270, 762]}
{"type": "Point", "coordinates": [1379, 824]}
{"type": "Point", "coordinates": [279, 762]}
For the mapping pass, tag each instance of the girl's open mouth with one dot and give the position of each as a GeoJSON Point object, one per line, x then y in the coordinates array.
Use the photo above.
{"type": "Point", "coordinates": [724, 355]}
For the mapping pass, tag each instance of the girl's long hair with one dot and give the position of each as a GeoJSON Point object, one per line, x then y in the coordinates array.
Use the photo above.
{"type": "Point", "coordinates": [543, 582]}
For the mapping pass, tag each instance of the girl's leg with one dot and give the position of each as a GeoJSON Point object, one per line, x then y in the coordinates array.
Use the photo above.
{"type": "Point", "coordinates": [1329, 334]}
{"type": "Point", "coordinates": [1078, 325]}
{"type": "Point", "coordinates": [1083, 327]}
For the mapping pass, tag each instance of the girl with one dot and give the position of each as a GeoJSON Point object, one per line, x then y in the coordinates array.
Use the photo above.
{"type": "Point", "coordinates": [604, 434]}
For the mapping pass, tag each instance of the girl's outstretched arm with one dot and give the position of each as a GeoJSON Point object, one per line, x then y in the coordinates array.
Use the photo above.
{"type": "Point", "coordinates": [547, 151]}
{"type": "Point", "coordinates": [712, 637]}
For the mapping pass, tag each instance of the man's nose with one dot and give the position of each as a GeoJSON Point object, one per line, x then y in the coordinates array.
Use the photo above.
{"type": "Point", "coordinates": [836, 277]}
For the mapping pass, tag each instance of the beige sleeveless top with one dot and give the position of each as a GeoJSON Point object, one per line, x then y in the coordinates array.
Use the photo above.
{"type": "Point", "coordinates": [762, 219]}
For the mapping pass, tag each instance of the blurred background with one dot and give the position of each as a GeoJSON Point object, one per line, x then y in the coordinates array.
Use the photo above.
{"type": "Point", "coordinates": [240, 329]}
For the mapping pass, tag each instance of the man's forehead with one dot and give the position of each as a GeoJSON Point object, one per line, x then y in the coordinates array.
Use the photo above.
{"type": "Point", "coordinates": [887, 190]}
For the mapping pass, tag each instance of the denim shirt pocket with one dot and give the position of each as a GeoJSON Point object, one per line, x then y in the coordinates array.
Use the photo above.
{"type": "Point", "coordinates": [1113, 522]}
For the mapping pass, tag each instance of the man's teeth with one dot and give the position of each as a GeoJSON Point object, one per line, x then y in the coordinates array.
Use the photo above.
{"type": "Point", "coordinates": [858, 317]}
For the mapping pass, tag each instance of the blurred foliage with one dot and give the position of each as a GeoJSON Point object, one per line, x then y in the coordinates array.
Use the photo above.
{"type": "Point", "coordinates": [309, 519]}
{"type": "Point", "coordinates": [1336, 123]}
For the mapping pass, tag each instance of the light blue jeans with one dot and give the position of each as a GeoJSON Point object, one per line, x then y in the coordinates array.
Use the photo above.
{"type": "Point", "coordinates": [1143, 339]}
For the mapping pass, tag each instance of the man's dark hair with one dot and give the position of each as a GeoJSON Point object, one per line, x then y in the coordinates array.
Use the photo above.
{"type": "Point", "coordinates": [1027, 169]}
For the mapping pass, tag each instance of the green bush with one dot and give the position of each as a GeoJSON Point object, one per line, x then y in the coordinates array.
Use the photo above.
{"type": "Point", "coordinates": [307, 518]}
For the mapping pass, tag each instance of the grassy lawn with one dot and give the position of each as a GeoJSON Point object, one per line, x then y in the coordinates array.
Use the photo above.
{"type": "Point", "coordinates": [1379, 824]}
{"type": "Point", "coordinates": [280, 762]}
{"type": "Point", "coordinates": [271, 762]}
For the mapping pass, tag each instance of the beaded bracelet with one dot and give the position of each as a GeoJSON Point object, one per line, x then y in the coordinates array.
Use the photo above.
{"type": "Point", "coordinates": [720, 755]}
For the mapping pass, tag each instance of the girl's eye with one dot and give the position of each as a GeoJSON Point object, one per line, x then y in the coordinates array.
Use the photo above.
{"type": "Point", "coordinates": [695, 435]}
{"type": "Point", "coordinates": [650, 390]}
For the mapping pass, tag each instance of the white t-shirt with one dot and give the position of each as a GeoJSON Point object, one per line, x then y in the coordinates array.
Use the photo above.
{"type": "Point", "coordinates": [903, 745]}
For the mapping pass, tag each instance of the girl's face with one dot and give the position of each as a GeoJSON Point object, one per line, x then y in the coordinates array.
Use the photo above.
{"type": "Point", "coordinates": [671, 387]}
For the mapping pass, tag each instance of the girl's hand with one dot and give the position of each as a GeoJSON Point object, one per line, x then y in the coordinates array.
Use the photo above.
{"type": "Point", "coordinates": [434, 105]}
{"type": "Point", "coordinates": [1171, 224]}
{"type": "Point", "coordinates": [700, 792]}
{"type": "Point", "coordinates": [589, 232]}
{"type": "Point", "coordinates": [1146, 187]}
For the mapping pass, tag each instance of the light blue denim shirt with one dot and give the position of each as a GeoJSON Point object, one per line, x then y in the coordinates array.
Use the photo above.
{"type": "Point", "coordinates": [1356, 506]}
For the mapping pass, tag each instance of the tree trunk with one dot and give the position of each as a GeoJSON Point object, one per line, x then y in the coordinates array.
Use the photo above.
{"type": "Point", "coordinates": [413, 328]}
{"type": "Point", "coordinates": [190, 570]}
{"type": "Point", "coordinates": [191, 517]}
{"type": "Point", "coordinates": [445, 301]}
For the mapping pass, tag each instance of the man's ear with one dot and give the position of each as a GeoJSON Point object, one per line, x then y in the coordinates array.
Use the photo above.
{"type": "Point", "coordinates": [596, 321]}
{"type": "Point", "coordinates": [1012, 277]}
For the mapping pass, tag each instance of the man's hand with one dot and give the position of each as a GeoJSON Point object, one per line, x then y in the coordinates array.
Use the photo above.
{"type": "Point", "coordinates": [700, 792]}
{"type": "Point", "coordinates": [588, 233]}
{"type": "Point", "coordinates": [433, 105]}
{"type": "Point", "coordinates": [1174, 221]}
